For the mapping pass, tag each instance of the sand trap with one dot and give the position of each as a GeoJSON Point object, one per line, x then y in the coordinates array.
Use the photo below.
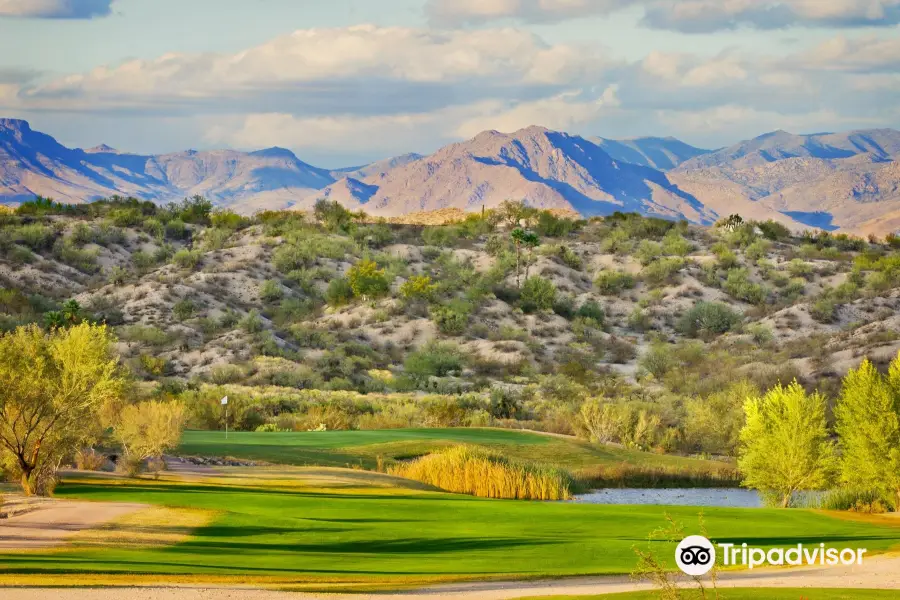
{"type": "Point", "coordinates": [55, 522]}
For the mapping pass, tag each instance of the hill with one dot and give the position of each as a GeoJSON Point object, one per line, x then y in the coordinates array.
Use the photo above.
{"type": "Point", "coordinates": [660, 153]}
{"type": "Point", "coordinates": [360, 324]}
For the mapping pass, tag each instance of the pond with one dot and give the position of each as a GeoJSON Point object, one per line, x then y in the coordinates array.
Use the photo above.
{"type": "Point", "coordinates": [724, 497]}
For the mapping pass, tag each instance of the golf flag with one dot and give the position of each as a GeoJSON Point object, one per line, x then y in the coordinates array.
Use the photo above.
{"type": "Point", "coordinates": [225, 400]}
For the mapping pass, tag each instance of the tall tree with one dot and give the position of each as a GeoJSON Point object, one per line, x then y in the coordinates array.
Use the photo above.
{"type": "Point", "coordinates": [518, 236]}
{"type": "Point", "coordinates": [785, 446]}
{"type": "Point", "coordinates": [53, 389]}
{"type": "Point", "coordinates": [868, 422]}
{"type": "Point", "coordinates": [531, 241]}
{"type": "Point", "coordinates": [148, 429]}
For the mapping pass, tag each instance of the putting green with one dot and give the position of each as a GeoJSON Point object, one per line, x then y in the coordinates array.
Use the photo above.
{"type": "Point", "coordinates": [327, 524]}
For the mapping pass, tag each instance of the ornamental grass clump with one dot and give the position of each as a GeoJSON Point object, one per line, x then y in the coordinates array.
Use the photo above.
{"type": "Point", "coordinates": [478, 472]}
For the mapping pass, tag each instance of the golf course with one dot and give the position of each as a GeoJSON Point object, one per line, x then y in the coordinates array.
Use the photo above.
{"type": "Point", "coordinates": [321, 528]}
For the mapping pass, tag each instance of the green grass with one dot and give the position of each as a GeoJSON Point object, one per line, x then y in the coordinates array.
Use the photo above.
{"type": "Point", "coordinates": [353, 526]}
{"type": "Point", "coordinates": [349, 448]}
{"type": "Point", "coordinates": [748, 594]}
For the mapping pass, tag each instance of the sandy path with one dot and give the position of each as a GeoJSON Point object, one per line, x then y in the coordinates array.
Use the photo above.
{"type": "Point", "coordinates": [882, 572]}
{"type": "Point", "coordinates": [52, 524]}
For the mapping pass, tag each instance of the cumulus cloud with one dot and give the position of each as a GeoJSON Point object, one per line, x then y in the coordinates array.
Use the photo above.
{"type": "Point", "coordinates": [336, 63]}
{"type": "Point", "coordinates": [55, 9]}
{"type": "Point", "coordinates": [688, 16]}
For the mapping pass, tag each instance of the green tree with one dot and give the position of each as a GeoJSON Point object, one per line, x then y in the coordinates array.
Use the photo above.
{"type": "Point", "coordinates": [784, 444]}
{"type": "Point", "coordinates": [332, 215]}
{"type": "Point", "coordinates": [538, 293]}
{"type": "Point", "coordinates": [53, 391]}
{"type": "Point", "coordinates": [148, 429]}
{"type": "Point", "coordinates": [531, 241]}
{"type": "Point", "coordinates": [518, 236]}
{"type": "Point", "coordinates": [367, 280]}
{"type": "Point", "coordinates": [868, 423]}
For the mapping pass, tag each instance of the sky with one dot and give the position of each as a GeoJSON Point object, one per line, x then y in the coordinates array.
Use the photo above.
{"type": "Point", "coordinates": [345, 82]}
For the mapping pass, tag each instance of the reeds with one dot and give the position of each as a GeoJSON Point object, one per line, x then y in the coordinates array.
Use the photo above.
{"type": "Point", "coordinates": [627, 475]}
{"type": "Point", "coordinates": [478, 472]}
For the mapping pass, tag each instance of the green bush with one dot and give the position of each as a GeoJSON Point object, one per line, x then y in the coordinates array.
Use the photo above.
{"type": "Point", "coordinates": [187, 259]}
{"type": "Point", "coordinates": [339, 292]}
{"type": "Point", "coordinates": [662, 271]}
{"type": "Point", "coordinates": [435, 359]}
{"type": "Point", "coordinates": [708, 318]}
{"type": "Point", "coordinates": [591, 309]}
{"type": "Point", "coordinates": [738, 285]}
{"type": "Point", "coordinates": [367, 280]}
{"type": "Point", "coordinates": [824, 310]}
{"type": "Point", "coordinates": [176, 230]}
{"type": "Point", "coordinates": [611, 283]}
{"type": "Point", "coordinates": [418, 287]}
{"type": "Point", "coordinates": [184, 309]}
{"type": "Point", "coordinates": [675, 244]}
{"type": "Point", "coordinates": [36, 236]}
{"type": "Point", "coordinates": [452, 318]}
{"type": "Point", "coordinates": [538, 294]}
{"type": "Point", "coordinates": [774, 231]}
{"type": "Point", "coordinates": [271, 291]}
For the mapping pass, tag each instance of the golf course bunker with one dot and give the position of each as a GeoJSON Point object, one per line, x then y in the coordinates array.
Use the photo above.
{"type": "Point", "coordinates": [721, 497]}
{"type": "Point", "coordinates": [54, 523]}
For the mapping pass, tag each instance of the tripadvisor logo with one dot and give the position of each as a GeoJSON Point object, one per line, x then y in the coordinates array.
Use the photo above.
{"type": "Point", "coordinates": [696, 555]}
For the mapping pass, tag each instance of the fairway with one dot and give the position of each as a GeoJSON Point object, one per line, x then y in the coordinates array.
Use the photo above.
{"type": "Point", "coordinates": [746, 594]}
{"type": "Point", "coordinates": [312, 525]}
{"type": "Point", "coordinates": [362, 448]}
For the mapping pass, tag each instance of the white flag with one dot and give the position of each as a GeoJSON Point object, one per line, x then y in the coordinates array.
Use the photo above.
{"type": "Point", "coordinates": [225, 400]}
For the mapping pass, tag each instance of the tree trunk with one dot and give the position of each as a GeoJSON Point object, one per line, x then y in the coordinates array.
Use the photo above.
{"type": "Point", "coordinates": [786, 501]}
{"type": "Point", "coordinates": [897, 508]}
{"type": "Point", "coordinates": [517, 266]}
{"type": "Point", "coordinates": [26, 480]}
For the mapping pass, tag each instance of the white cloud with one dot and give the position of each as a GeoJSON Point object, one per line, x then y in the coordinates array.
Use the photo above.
{"type": "Point", "coordinates": [690, 16]}
{"type": "Point", "coordinates": [56, 9]}
{"type": "Point", "coordinates": [349, 60]}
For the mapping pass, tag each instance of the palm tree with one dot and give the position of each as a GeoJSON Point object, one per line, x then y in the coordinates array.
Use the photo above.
{"type": "Point", "coordinates": [54, 320]}
{"type": "Point", "coordinates": [71, 312]}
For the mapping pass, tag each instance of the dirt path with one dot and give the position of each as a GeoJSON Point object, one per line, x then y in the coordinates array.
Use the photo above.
{"type": "Point", "coordinates": [880, 572]}
{"type": "Point", "coordinates": [54, 522]}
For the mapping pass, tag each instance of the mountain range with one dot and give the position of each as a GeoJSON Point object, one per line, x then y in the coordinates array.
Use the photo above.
{"type": "Point", "coordinates": [835, 181]}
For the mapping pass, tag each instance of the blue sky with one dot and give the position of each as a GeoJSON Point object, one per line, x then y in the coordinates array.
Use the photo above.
{"type": "Point", "coordinates": [348, 81]}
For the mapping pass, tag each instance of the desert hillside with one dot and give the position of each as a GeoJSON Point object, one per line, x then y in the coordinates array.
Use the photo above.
{"type": "Point", "coordinates": [523, 310]}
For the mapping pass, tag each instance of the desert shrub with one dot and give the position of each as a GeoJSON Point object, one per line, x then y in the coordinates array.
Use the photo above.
{"type": "Point", "coordinates": [339, 291]}
{"type": "Point", "coordinates": [538, 293]}
{"type": "Point", "coordinates": [479, 472]}
{"type": "Point", "coordinates": [800, 268]}
{"type": "Point", "coordinates": [648, 251]}
{"type": "Point", "coordinates": [418, 287]}
{"type": "Point", "coordinates": [36, 236]}
{"type": "Point", "coordinates": [824, 310]}
{"type": "Point", "coordinates": [442, 237]}
{"type": "Point", "coordinates": [611, 283]}
{"type": "Point", "coordinates": [726, 258]}
{"type": "Point", "coordinates": [184, 309]}
{"type": "Point", "coordinates": [176, 230]}
{"type": "Point", "coordinates": [707, 319]}
{"type": "Point", "coordinates": [435, 359]}
{"type": "Point", "coordinates": [155, 366]}
{"type": "Point", "coordinates": [773, 230]}
{"type": "Point", "coordinates": [367, 280]}
{"type": "Point", "coordinates": [252, 323]}
{"type": "Point", "coordinates": [662, 271]}
{"type": "Point", "coordinates": [639, 320]}
{"type": "Point", "coordinates": [215, 238]}
{"type": "Point", "coordinates": [760, 333]}
{"type": "Point", "coordinates": [153, 336]}
{"type": "Point", "coordinates": [591, 309]}
{"type": "Point", "coordinates": [739, 286]}
{"type": "Point", "coordinates": [549, 225]}
{"type": "Point", "coordinates": [69, 253]}
{"type": "Point", "coordinates": [658, 360]}
{"type": "Point", "coordinates": [758, 249]}
{"type": "Point", "coordinates": [564, 306]}
{"type": "Point", "coordinates": [187, 259]}
{"type": "Point", "coordinates": [675, 244]}
{"type": "Point", "coordinates": [333, 216]}
{"type": "Point", "coordinates": [617, 242]}
{"type": "Point", "coordinates": [451, 318]}
{"type": "Point", "coordinates": [271, 291]}
{"type": "Point", "coordinates": [226, 219]}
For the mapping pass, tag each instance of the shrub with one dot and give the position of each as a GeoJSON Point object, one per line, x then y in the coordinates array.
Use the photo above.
{"type": "Point", "coordinates": [36, 236]}
{"type": "Point", "coordinates": [478, 472]}
{"type": "Point", "coordinates": [88, 459]}
{"type": "Point", "coordinates": [176, 230]}
{"type": "Point", "coordinates": [271, 291]}
{"type": "Point", "coordinates": [773, 230]}
{"type": "Point", "coordinates": [611, 283]}
{"type": "Point", "coordinates": [800, 268]}
{"type": "Point", "coordinates": [726, 258]}
{"type": "Point", "coordinates": [675, 244]}
{"type": "Point", "coordinates": [435, 359]}
{"type": "Point", "coordinates": [662, 271]}
{"type": "Point", "coordinates": [708, 318]}
{"type": "Point", "coordinates": [418, 287]}
{"type": "Point", "coordinates": [452, 318]}
{"type": "Point", "coordinates": [187, 259]}
{"type": "Point", "coordinates": [823, 310]}
{"type": "Point", "coordinates": [339, 292]}
{"type": "Point", "coordinates": [367, 280]}
{"type": "Point", "coordinates": [442, 237]}
{"type": "Point", "coordinates": [148, 429]}
{"type": "Point", "coordinates": [738, 285]}
{"type": "Point", "coordinates": [591, 309]}
{"type": "Point", "coordinates": [184, 309]}
{"type": "Point", "coordinates": [538, 293]}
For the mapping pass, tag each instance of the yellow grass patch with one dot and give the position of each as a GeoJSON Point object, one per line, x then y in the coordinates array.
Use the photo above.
{"type": "Point", "coordinates": [154, 526]}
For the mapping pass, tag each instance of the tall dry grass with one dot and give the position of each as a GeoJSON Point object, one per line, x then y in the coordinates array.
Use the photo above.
{"type": "Point", "coordinates": [478, 472]}
{"type": "Point", "coordinates": [626, 475]}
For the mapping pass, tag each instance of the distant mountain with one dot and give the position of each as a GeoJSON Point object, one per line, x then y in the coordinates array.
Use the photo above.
{"type": "Point", "coordinates": [660, 153]}
{"type": "Point", "coordinates": [376, 168]}
{"type": "Point", "coordinates": [836, 181]}
{"type": "Point", "coordinates": [546, 169]}
{"type": "Point", "coordinates": [879, 144]}
{"type": "Point", "coordinates": [33, 163]}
